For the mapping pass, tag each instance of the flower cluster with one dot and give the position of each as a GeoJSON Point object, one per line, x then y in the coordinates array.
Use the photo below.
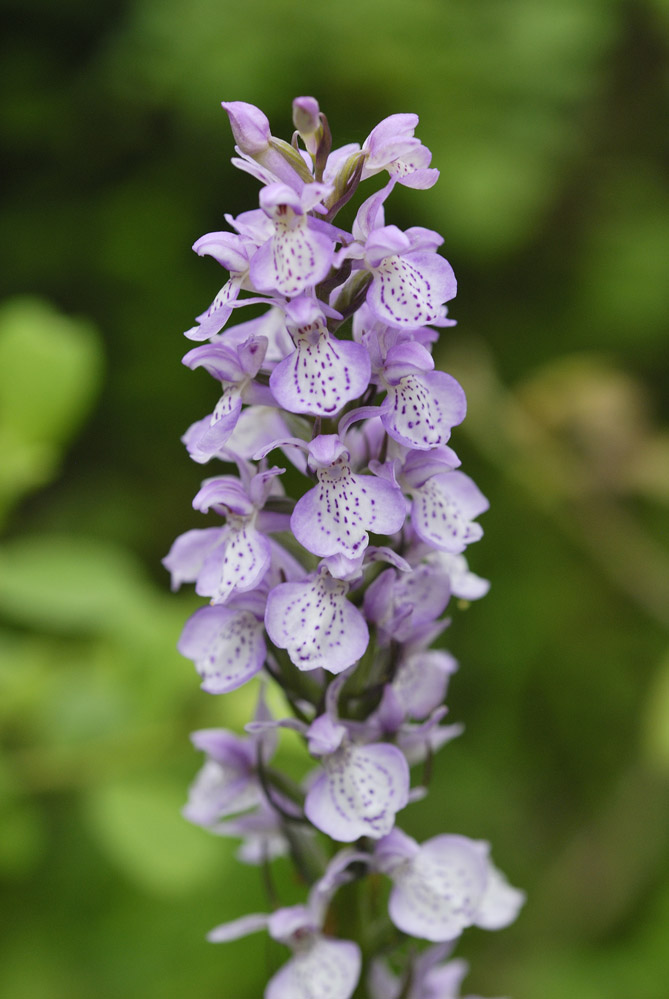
{"type": "Point", "coordinates": [337, 595]}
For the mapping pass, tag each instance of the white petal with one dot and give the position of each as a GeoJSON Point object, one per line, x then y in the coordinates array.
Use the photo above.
{"type": "Point", "coordinates": [316, 624]}
{"type": "Point", "coordinates": [319, 378]}
{"type": "Point", "coordinates": [226, 645]}
{"type": "Point", "coordinates": [438, 893]}
{"type": "Point", "coordinates": [360, 792]}
{"type": "Point", "coordinates": [236, 565]}
{"type": "Point", "coordinates": [501, 902]}
{"type": "Point", "coordinates": [328, 969]}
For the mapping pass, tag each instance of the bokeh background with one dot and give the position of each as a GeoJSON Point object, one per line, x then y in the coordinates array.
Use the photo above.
{"type": "Point", "coordinates": [548, 123]}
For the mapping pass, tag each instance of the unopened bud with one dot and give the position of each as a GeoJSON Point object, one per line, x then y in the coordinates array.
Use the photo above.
{"type": "Point", "coordinates": [250, 127]}
{"type": "Point", "coordinates": [306, 115]}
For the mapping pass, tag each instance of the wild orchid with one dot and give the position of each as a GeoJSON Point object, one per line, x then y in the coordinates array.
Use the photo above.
{"type": "Point", "coordinates": [335, 595]}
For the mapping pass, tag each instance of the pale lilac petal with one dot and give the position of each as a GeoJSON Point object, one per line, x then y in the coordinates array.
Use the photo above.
{"type": "Point", "coordinates": [382, 983]}
{"type": "Point", "coordinates": [186, 556]}
{"type": "Point", "coordinates": [408, 290]}
{"type": "Point", "coordinates": [290, 920]}
{"type": "Point", "coordinates": [226, 644]}
{"type": "Point", "coordinates": [219, 790]}
{"type": "Point", "coordinates": [216, 316]}
{"type": "Point", "coordinates": [444, 982]}
{"type": "Point", "coordinates": [418, 466]}
{"type": "Point", "coordinates": [214, 431]}
{"type": "Point", "coordinates": [334, 517]}
{"type": "Point", "coordinates": [238, 928]}
{"type": "Point", "coordinates": [236, 565]}
{"type": "Point", "coordinates": [325, 735]}
{"type": "Point", "coordinates": [292, 261]}
{"type": "Point", "coordinates": [437, 894]}
{"type": "Point", "coordinates": [359, 793]}
{"type": "Point", "coordinates": [227, 748]}
{"type": "Point", "coordinates": [421, 681]}
{"type": "Point", "coordinates": [256, 427]}
{"type": "Point", "coordinates": [400, 603]}
{"type": "Point", "coordinates": [501, 902]}
{"type": "Point", "coordinates": [316, 624]}
{"type": "Point", "coordinates": [250, 126]}
{"type": "Point", "coordinates": [464, 584]}
{"type": "Point", "coordinates": [225, 247]}
{"type": "Point", "coordinates": [272, 326]}
{"type": "Point", "coordinates": [421, 409]}
{"type": "Point", "coordinates": [392, 851]}
{"type": "Point", "coordinates": [442, 510]}
{"type": "Point", "coordinates": [225, 494]}
{"type": "Point", "coordinates": [321, 377]}
{"type": "Point", "coordinates": [328, 969]}
{"type": "Point", "coordinates": [418, 178]}
{"type": "Point", "coordinates": [392, 137]}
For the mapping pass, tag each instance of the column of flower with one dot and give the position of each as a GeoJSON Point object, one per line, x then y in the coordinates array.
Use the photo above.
{"type": "Point", "coordinates": [336, 378]}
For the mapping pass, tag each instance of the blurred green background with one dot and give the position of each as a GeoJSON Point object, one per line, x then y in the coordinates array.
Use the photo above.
{"type": "Point", "coordinates": [548, 123]}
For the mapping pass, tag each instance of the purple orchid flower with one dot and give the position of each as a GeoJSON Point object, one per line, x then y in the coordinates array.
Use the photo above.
{"type": "Point", "coordinates": [228, 782]}
{"type": "Point", "coordinates": [261, 154]}
{"type": "Point", "coordinates": [362, 785]}
{"type": "Point", "coordinates": [316, 623]}
{"type": "Point", "coordinates": [410, 282]}
{"type": "Point", "coordinates": [236, 370]}
{"type": "Point", "coordinates": [233, 252]}
{"type": "Point", "coordinates": [226, 643]}
{"type": "Point", "coordinates": [430, 978]}
{"type": "Point", "coordinates": [261, 831]}
{"type": "Point", "coordinates": [322, 374]}
{"type": "Point", "coordinates": [222, 561]}
{"type": "Point", "coordinates": [289, 379]}
{"type": "Point", "coordinates": [391, 146]}
{"type": "Point", "coordinates": [299, 254]}
{"type": "Point", "coordinates": [421, 680]}
{"type": "Point", "coordinates": [444, 886]}
{"type": "Point", "coordinates": [445, 501]}
{"type": "Point", "coordinates": [320, 968]}
{"type": "Point", "coordinates": [398, 603]}
{"type": "Point", "coordinates": [421, 405]}
{"type": "Point", "coordinates": [335, 516]}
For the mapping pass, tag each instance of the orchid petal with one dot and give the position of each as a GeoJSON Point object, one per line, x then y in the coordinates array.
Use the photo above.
{"type": "Point", "coordinates": [226, 644]}
{"type": "Point", "coordinates": [359, 793]}
{"type": "Point", "coordinates": [316, 624]}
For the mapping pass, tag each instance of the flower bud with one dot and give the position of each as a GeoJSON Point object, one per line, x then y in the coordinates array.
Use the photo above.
{"type": "Point", "coordinates": [250, 127]}
{"type": "Point", "coordinates": [306, 115]}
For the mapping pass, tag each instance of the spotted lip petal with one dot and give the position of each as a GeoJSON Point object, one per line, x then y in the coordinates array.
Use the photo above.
{"type": "Point", "coordinates": [408, 290]}
{"type": "Point", "coordinates": [188, 553]}
{"type": "Point", "coordinates": [322, 376]}
{"type": "Point", "coordinates": [360, 791]}
{"type": "Point", "coordinates": [324, 969]}
{"type": "Point", "coordinates": [237, 563]}
{"type": "Point", "coordinates": [334, 517]}
{"type": "Point", "coordinates": [317, 625]}
{"type": "Point", "coordinates": [226, 644]}
{"type": "Point", "coordinates": [442, 510]}
{"type": "Point", "coordinates": [216, 316]}
{"type": "Point", "coordinates": [292, 261]}
{"type": "Point", "coordinates": [220, 790]}
{"type": "Point", "coordinates": [420, 410]}
{"type": "Point", "coordinates": [436, 895]}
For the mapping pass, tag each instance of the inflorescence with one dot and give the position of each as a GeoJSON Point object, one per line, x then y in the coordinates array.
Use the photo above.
{"type": "Point", "coordinates": [336, 380]}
